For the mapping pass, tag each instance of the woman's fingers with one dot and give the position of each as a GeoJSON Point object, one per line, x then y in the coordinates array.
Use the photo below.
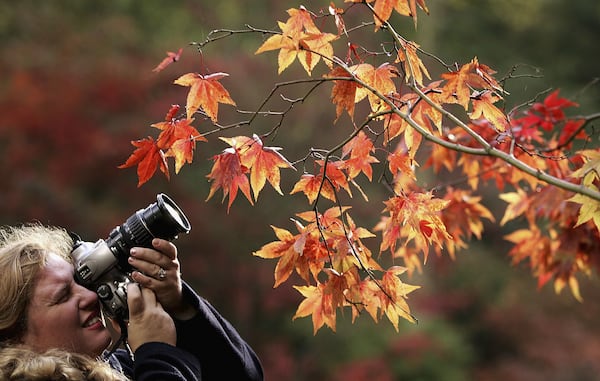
{"type": "Point", "coordinates": [148, 321]}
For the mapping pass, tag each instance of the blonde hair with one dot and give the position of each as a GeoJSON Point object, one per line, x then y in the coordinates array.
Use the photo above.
{"type": "Point", "coordinates": [19, 363]}
{"type": "Point", "coordinates": [23, 252]}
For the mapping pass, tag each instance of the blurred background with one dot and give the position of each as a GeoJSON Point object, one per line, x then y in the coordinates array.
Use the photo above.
{"type": "Point", "coordinates": [77, 86]}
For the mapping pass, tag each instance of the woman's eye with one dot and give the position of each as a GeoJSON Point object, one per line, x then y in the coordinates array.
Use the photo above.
{"type": "Point", "coordinates": [63, 297]}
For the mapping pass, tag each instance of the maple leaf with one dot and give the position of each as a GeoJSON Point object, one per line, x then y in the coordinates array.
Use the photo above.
{"type": "Point", "coordinates": [312, 186]}
{"type": "Point", "coordinates": [343, 93]}
{"type": "Point", "coordinates": [590, 171]}
{"type": "Point", "coordinates": [394, 294]}
{"type": "Point", "coordinates": [300, 38]}
{"type": "Point", "coordinates": [303, 252]}
{"type": "Point", "coordinates": [313, 47]}
{"type": "Point", "coordinates": [571, 130]}
{"type": "Point", "coordinates": [285, 248]}
{"type": "Point", "coordinates": [518, 203]}
{"type": "Point", "coordinates": [171, 128]}
{"type": "Point", "coordinates": [178, 137]}
{"type": "Point", "coordinates": [463, 218]}
{"type": "Point", "coordinates": [300, 20]}
{"type": "Point", "coordinates": [169, 59]}
{"type": "Point", "coordinates": [401, 164]}
{"type": "Point", "coordinates": [383, 9]}
{"type": "Point", "coordinates": [288, 49]}
{"type": "Point", "coordinates": [470, 76]}
{"type": "Point", "coordinates": [551, 110]}
{"type": "Point", "coordinates": [321, 301]}
{"type": "Point", "coordinates": [380, 79]}
{"type": "Point", "coordinates": [263, 162]}
{"type": "Point", "coordinates": [318, 304]}
{"type": "Point", "coordinates": [590, 208]}
{"type": "Point", "coordinates": [337, 15]}
{"type": "Point", "coordinates": [205, 91]}
{"type": "Point", "coordinates": [414, 216]}
{"type": "Point", "coordinates": [359, 148]}
{"type": "Point", "coordinates": [148, 157]}
{"type": "Point", "coordinates": [229, 174]}
{"type": "Point", "coordinates": [413, 66]}
{"type": "Point", "coordinates": [483, 107]}
{"type": "Point", "coordinates": [183, 151]}
{"type": "Point", "coordinates": [365, 295]}
{"type": "Point", "coordinates": [545, 258]}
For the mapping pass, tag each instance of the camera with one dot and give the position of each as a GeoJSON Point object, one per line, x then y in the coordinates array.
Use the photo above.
{"type": "Point", "coordinates": [102, 266]}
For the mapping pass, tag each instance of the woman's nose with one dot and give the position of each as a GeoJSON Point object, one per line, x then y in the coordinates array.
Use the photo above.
{"type": "Point", "coordinates": [87, 297]}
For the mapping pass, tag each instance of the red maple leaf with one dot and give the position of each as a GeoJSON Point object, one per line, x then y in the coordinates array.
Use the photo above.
{"type": "Point", "coordinates": [169, 59]}
{"type": "Point", "coordinates": [147, 156]}
{"type": "Point", "coordinates": [229, 174]}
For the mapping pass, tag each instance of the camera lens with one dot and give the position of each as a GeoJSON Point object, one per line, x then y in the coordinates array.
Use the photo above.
{"type": "Point", "coordinates": [162, 219]}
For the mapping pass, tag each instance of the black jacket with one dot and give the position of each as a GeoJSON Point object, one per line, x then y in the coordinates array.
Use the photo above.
{"type": "Point", "coordinates": [208, 348]}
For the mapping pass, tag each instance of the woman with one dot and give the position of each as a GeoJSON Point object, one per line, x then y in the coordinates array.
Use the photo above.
{"type": "Point", "coordinates": [173, 333]}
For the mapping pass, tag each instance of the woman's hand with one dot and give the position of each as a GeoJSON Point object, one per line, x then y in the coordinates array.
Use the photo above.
{"type": "Point", "coordinates": [158, 270]}
{"type": "Point", "coordinates": [148, 321]}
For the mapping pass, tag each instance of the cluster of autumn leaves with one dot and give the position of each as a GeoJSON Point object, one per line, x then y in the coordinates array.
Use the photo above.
{"type": "Point", "coordinates": [326, 249]}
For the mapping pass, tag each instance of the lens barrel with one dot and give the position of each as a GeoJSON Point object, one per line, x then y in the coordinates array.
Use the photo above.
{"type": "Point", "coordinates": [162, 219]}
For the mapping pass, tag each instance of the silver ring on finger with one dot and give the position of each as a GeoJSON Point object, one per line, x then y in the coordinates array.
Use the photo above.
{"type": "Point", "coordinates": [162, 273]}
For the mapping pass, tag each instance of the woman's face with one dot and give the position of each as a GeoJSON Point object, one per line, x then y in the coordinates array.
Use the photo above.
{"type": "Point", "coordinates": [63, 314]}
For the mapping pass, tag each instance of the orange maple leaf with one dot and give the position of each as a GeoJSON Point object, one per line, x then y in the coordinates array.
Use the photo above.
{"type": "Point", "coordinates": [323, 300]}
{"type": "Point", "coordinates": [383, 9]}
{"type": "Point", "coordinates": [359, 148]}
{"type": "Point", "coordinates": [300, 20]}
{"type": "Point", "coordinates": [286, 248]}
{"type": "Point", "coordinates": [303, 252]}
{"type": "Point", "coordinates": [483, 107]}
{"type": "Point", "coordinates": [413, 66]}
{"type": "Point", "coordinates": [470, 76]}
{"type": "Point", "coordinates": [205, 91]}
{"type": "Point", "coordinates": [413, 216]}
{"type": "Point", "coordinates": [393, 299]}
{"type": "Point", "coordinates": [315, 46]}
{"type": "Point", "coordinates": [182, 150]}
{"type": "Point", "coordinates": [401, 164]}
{"type": "Point", "coordinates": [313, 186]}
{"type": "Point", "coordinates": [300, 38]}
{"type": "Point", "coordinates": [178, 138]}
{"type": "Point", "coordinates": [169, 59]}
{"type": "Point", "coordinates": [147, 156]}
{"type": "Point", "coordinates": [463, 218]}
{"type": "Point", "coordinates": [288, 49]}
{"type": "Point", "coordinates": [265, 166]}
{"type": "Point", "coordinates": [318, 304]}
{"type": "Point", "coordinates": [380, 79]}
{"type": "Point", "coordinates": [229, 174]}
{"type": "Point", "coordinates": [263, 162]}
{"type": "Point", "coordinates": [343, 93]}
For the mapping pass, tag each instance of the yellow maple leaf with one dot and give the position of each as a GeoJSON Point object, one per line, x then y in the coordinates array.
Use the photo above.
{"type": "Point", "coordinates": [589, 172]}
{"type": "Point", "coordinates": [300, 38]}
{"type": "Point", "coordinates": [518, 203]}
{"type": "Point", "coordinates": [590, 209]}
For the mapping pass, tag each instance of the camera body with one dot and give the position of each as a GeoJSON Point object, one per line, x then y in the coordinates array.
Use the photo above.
{"type": "Point", "coordinates": [102, 266]}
